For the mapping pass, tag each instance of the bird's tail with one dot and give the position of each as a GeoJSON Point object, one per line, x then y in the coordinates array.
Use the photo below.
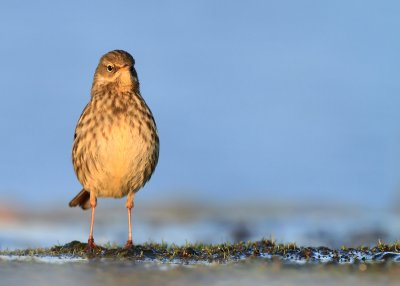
{"type": "Point", "coordinates": [82, 199]}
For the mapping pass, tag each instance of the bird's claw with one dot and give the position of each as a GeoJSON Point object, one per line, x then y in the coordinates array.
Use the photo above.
{"type": "Point", "coordinates": [91, 245]}
{"type": "Point", "coordinates": [128, 244]}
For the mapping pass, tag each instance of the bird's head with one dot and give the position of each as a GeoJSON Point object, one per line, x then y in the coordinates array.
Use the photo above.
{"type": "Point", "coordinates": [116, 70]}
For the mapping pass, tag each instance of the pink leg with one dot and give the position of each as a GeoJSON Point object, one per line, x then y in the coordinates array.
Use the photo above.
{"type": "Point", "coordinates": [93, 203]}
{"type": "Point", "coordinates": [129, 206]}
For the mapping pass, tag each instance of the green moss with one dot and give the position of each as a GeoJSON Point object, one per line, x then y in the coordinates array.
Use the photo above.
{"type": "Point", "coordinates": [225, 252]}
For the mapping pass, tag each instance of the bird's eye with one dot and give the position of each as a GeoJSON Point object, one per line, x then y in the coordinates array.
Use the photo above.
{"type": "Point", "coordinates": [110, 68]}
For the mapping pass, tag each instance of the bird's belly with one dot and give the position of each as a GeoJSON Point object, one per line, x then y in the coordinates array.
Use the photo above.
{"type": "Point", "coordinates": [120, 155]}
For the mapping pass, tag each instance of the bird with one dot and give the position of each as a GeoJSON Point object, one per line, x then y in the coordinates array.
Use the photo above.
{"type": "Point", "coordinates": [116, 145]}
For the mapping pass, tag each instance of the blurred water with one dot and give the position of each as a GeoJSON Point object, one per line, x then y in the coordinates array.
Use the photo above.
{"type": "Point", "coordinates": [306, 225]}
{"type": "Point", "coordinates": [253, 273]}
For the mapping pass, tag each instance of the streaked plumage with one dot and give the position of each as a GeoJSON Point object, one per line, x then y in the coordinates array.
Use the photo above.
{"type": "Point", "coordinates": [116, 145]}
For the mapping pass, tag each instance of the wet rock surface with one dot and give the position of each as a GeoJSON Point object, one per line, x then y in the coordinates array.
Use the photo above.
{"type": "Point", "coordinates": [220, 253]}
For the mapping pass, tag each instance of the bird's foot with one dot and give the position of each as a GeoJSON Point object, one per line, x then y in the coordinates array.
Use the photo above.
{"type": "Point", "coordinates": [128, 244]}
{"type": "Point", "coordinates": [91, 245]}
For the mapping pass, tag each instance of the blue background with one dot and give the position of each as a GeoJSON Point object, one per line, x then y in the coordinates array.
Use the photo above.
{"type": "Point", "coordinates": [254, 100]}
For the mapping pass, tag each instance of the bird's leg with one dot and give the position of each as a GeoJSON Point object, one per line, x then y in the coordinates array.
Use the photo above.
{"type": "Point", "coordinates": [129, 206]}
{"type": "Point", "coordinates": [93, 203]}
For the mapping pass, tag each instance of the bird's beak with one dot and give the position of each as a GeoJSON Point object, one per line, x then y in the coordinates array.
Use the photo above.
{"type": "Point", "coordinates": [126, 68]}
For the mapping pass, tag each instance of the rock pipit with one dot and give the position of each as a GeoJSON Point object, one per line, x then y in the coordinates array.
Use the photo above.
{"type": "Point", "coordinates": [116, 145]}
